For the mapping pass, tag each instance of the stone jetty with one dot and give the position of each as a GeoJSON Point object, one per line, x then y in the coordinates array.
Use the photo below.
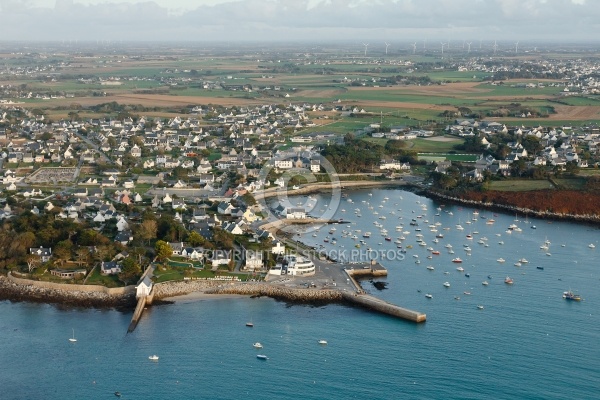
{"type": "Point", "coordinates": [280, 293]}
{"type": "Point", "coordinates": [18, 291]}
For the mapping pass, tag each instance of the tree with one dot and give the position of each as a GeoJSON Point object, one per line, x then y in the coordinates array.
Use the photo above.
{"type": "Point", "coordinates": [163, 250]}
{"type": "Point", "coordinates": [147, 230]}
{"type": "Point", "coordinates": [130, 271]}
{"type": "Point", "coordinates": [83, 255]}
{"type": "Point", "coordinates": [62, 251]}
{"type": "Point", "coordinates": [33, 262]}
{"type": "Point", "coordinates": [195, 239]}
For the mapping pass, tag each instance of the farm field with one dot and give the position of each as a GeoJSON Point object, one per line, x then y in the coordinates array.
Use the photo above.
{"type": "Point", "coordinates": [520, 185]}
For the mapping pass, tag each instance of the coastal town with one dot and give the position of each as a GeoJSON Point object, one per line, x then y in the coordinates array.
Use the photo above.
{"type": "Point", "coordinates": [117, 196]}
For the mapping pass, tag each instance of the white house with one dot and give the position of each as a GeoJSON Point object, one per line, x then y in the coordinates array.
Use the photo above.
{"type": "Point", "coordinates": [254, 260]}
{"type": "Point", "coordinates": [144, 287]}
{"type": "Point", "coordinates": [295, 213]}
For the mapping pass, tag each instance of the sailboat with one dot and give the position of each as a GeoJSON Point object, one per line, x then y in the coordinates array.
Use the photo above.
{"type": "Point", "coordinates": [72, 339]}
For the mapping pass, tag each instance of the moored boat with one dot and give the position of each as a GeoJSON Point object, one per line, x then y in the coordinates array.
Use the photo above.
{"type": "Point", "coordinates": [569, 295]}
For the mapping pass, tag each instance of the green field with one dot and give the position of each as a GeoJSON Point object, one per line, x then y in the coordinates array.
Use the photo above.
{"type": "Point", "coordinates": [520, 185]}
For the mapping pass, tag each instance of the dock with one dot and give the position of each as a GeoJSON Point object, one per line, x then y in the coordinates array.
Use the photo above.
{"type": "Point", "coordinates": [362, 299]}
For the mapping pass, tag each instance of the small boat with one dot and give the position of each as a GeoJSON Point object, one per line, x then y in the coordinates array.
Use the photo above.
{"type": "Point", "coordinates": [456, 260]}
{"type": "Point", "coordinates": [460, 269]}
{"type": "Point", "coordinates": [257, 345]}
{"type": "Point", "coordinates": [500, 260]}
{"type": "Point", "coordinates": [118, 394]}
{"type": "Point", "coordinates": [456, 298]}
{"type": "Point", "coordinates": [249, 324]}
{"type": "Point", "coordinates": [435, 252]}
{"type": "Point", "coordinates": [467, 293]}
{"type": "Point", "coordinates": [480, 307]}
{"type": "Point", "coordinates": [262, 357]}
{"type": "Point", "coordinates": [429, 296]}
{"type": "Point", "coordinates": [523, 261]}
{"type": "Point", "coordinates": [591, 246]}
{"type": "Point", "coordinates": [72, 339]}
{"type": "Point", "coordinates": [518, 264]}
{"type": "Point", "coordinates": [540, 267]}
{"type": "Point", "coordinates": [322, 341]}
{"type": "Point", "coordinates": [508, 280]}
{"type": "Point", "coordinates": [430, 267]}
{"type": "Point", "coordinates": [569, 295]}
{"type": "Point", "coordinates": [468, 275]}
{"type": "Point", "coordinates": [485, 283]}
{"type": "Point", "coordinates": [533, 227]}
{"type": "Point", "coordinates": [153, 357]}
{"type": "Point", "coordinates": [446, 284]}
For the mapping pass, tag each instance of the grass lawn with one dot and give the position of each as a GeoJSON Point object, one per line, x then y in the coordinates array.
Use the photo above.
{"type": "Point", "coordinates": [589, 172]}
{"type": "Point", "coordinates": [421, 145]}
{"type": "Point", "coordinates": [574, 183]}
{"type": "Point", "coordinates": [520, 185]}
{"type": "Point", "coordinates": [96, 278]}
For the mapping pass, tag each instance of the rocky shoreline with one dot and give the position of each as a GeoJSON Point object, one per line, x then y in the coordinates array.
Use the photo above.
{"type": "Point", "coordinates": [591, 219]}
{"type": "Point", "coordinates": [16, 292]}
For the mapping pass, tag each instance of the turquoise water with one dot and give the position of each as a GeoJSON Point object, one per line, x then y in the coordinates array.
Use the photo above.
{"type": "Point", "coordinates": [527, 342]}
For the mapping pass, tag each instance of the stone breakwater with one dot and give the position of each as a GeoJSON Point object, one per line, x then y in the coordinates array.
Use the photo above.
{"type": "Point", "coordinates": [172, 289]}
{"type": "Point", "coordinates": [280, 293]}
{"type": "Point", "coordinates": [13, 291]}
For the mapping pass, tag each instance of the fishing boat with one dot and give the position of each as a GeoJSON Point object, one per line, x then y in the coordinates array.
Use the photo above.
{"type": "Point", "coordinates": [508, 280]}
{"type": "Point", "coordinates": [569, 295]}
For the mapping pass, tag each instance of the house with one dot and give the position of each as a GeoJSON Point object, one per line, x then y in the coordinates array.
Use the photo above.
{"type": "Point", "coordinates": [124, 237]}
{"type": "Point", "coordinates": [277, 247]}
{"type": "Point", "coordinates": [43, 253]}
{"type": "Point", "coordinates": [220, 257]}
{"type": "Point", "coordinates": [254, 260]}
{"type": "Point", "coordinates": [295, 213]}
{"type": "Point", "coordinates": [68, 273]}
{"type": "Point", "coordinates": [178, 204]}
{"type": "Point", "coordinates": [315, 166]}
{"type": "Point", "coordinates": [192, 253]}
{"type": "Point", "coordinates": [233, 228]}
{"type": "Point", "coordinates": [224, 208]}
{"type": "Point", "coordinates": [390, 165]}
{"type": "Point", "coordinates": [144, 287]}
{"type": "Point", "coordinates": [110, 268]}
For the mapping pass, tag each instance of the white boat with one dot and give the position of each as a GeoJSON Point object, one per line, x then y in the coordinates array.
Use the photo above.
{"type": "Point", "coordinates": [480, 307]}
{"type": "Point", "coordinates": [262, 357]}
{"type": "Point", "coordinates": [153, 357]}
{"type": "Point", "coordinates": [591, 246]}
{"type": "Point", "coordinates": [460, 269]}
{"type": "Point", "coordinates": [523, 261]}
{"type": "Point", "coordinates": [501, 260]}
{"type": "Point", "coordinates": [322, 341]}
{"type": "Point", "coordinates": [429, 296]}
{"type": "Point", "coordinates": [430, 267]}
{"type": "Point", "coordinates": [446, 284]}
{"type": "Point", "coordinates": [485, 283]}
{"type": "Point", "coordinates": [518, 264]}
{"type": "Point", "coordinates": [72, 339]}
{"type": "Point", "coordinates": [257, 345]}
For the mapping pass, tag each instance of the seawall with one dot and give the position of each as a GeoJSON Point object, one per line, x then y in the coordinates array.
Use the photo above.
{"type": "Point", "coordinates": [18, 289]}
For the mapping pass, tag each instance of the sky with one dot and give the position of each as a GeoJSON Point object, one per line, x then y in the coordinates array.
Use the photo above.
{"type": "Point", "coordinates": [392, 21]}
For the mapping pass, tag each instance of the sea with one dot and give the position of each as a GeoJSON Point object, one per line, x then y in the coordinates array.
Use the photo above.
{"type": "Point", "coordinates": [524, 342]}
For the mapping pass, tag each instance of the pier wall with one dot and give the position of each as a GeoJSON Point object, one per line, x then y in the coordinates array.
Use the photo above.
{"type": "Point", "coordinates": [74, 288]}
{"type": "Point", "coordinates": [373, 303]}
{"type": "Point", "coordinates": [137, 314]}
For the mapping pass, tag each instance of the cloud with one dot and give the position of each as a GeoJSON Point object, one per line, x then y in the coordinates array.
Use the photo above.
{"type": "Point", "coordinates": [242, 20]}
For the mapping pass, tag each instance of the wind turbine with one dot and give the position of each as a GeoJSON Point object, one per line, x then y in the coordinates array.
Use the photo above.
{"type": "Point", "coordinates": [469, 47]}
{"type": "Point", "coordinates": [443, 44]}
{"type": "Point", "coordinates": [516, 47]}
{"type": "Point", "coordinates": [386, 47]}
{"type": "Point", "coordinates": [414, 45]}
{"type": "Point", "coordinates": [366, 45]}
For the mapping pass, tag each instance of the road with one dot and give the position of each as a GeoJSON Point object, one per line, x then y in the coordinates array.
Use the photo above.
{"type": "Point", "coordinates": [104, 157]}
